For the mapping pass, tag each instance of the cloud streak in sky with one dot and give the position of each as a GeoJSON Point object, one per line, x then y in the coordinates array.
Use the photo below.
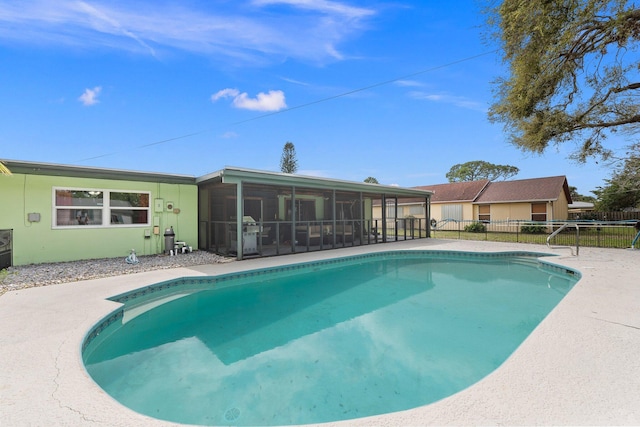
{"type": "Point", "coordinates": [263, 30]}
{"type": "Point", "coordinates": [458, 101]}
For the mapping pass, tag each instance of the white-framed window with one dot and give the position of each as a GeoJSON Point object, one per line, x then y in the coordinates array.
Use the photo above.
{"type": "Point", "coordinates": [81, 207]}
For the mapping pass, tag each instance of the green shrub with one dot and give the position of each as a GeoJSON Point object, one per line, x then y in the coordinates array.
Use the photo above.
{"type": "Point", "coordinates": [533, 229]}
{"type": "Point", "coordinates": [476, 227]}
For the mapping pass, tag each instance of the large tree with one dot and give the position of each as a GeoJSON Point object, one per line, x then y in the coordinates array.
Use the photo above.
{"type": "Point", "coordinates": [479, 169]}
{"type": "Point", "coordinates": [621, 190]}
{"type": "Point", "coordinates": [288, 161]}
{"type": "Point", "coordinates": [572, 72]}
{"type": "Point", "coordinates": [577, 197]}
{"type": "Point", "coordinates": [371, 180]}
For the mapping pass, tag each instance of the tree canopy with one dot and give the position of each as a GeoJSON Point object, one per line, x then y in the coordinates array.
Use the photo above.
{"type": "Point", "coordinates": [288, 161]}
{"type": "Point", "coordinates": [479, 169]}
{"type": "Point", "coordinates": [573, 72]}
{"type": "Point", "coordinates": [577, 197]}
{"type": "Point", "coordinates": [621, 190]}
{"type": "Point", "coordinates": [371, 180]}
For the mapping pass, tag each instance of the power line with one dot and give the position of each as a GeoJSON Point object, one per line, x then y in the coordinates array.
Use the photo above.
{"type": "Point", "coordinates": [386, 82]}
{"type": "Point", "coordinates": [297, 107]}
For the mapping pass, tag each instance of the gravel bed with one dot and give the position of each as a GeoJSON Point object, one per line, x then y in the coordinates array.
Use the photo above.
{"type": "Point", "coordinates": [28, 276]}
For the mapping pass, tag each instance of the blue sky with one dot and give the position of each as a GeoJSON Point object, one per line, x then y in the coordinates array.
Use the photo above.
{"type": "Point", "coordinates": [397, 90]}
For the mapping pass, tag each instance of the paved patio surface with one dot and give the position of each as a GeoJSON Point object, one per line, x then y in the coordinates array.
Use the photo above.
{"type": "Point", "coordinates": [580, 366]}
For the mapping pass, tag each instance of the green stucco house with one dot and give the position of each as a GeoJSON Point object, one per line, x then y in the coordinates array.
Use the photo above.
{"type": "Point", "coordinates": [63, 213]}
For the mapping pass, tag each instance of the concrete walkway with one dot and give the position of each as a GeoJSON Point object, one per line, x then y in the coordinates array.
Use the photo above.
{"type": "Point", "coordinates": [580, 366]}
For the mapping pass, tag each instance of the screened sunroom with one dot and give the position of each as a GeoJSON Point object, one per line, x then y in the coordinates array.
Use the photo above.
{"type": "Point", "coordinates": [248, 213]}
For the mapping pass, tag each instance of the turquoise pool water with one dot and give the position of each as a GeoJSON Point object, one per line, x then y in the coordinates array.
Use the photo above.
{"type": "Point", "coordinates": [321, 342]}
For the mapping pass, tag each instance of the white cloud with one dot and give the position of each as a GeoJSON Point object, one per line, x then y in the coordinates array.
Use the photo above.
{"type": "Point", "coordinates": [296, 82]}
{"type": "Point", "coordinates": [223, 30]}
{"type": "Point", "coordinates": [408, 83]}
{"type": "Point", "coordinates": [229, 135]}
{"type": "Point", "coordinates": [458, 101]}
{"type": "Point", "coordinates": [225, 93]}
{"type": "Point", "coordinates": [271, 101]}
{"type": "Point", "coordinates": [274, 100]}
{"type": "Point", "coordinates": [324, 6]}
{"type": "Point", "coordinates": [90, 96]}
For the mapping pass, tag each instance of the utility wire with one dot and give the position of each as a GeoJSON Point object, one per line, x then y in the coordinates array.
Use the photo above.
{"type": "Point", "coordinates": [386, 82]}
{"type": "Point", "coordinates": [297, 107]}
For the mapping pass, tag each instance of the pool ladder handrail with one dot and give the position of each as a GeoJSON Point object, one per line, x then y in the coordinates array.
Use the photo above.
{"type": "Point", "coordinates": [562, 227]}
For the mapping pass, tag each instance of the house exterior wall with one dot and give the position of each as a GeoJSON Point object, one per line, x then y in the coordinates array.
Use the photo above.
{"type": "Point", "coordinates": [561, 208]}
{"type": "Point", "coordinates": [556, 210]}
{"type": "Point", "coordinates": [438, 210]}
{"type": "Point", "coordinates": [40, 241]}
{"type": "Point", "coordinates": [416, 210]}
{"type": "Point", "coordinates": [509, 211]}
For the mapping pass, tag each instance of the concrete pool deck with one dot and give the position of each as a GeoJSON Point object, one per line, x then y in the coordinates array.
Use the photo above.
{"type": "Point", "coordinates": [580, 366]}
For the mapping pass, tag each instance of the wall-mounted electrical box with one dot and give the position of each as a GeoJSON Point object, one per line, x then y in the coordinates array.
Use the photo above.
{"type": "Point", "coordinates": [33, 217]}
{"type": "Point", "coordinates": [147, 233]}
{"type": "Point", "coordinates": [156, 230]}
{"type": "Point", "coordinates": [158, 205]}
{"type": "Point", "coordinates": [169, 206]}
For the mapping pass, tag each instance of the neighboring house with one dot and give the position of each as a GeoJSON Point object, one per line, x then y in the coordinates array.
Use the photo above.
{"type": "Point", "coordinates": [448, 201]}
{"type": "Point", "coordinates": [577, 208]}
{"type": "Point", "coordinates": [455, 200]}
{"type": "Point", "coordinates": [53, 213]}
{"type": "Point", "coordinates": [536, 199]}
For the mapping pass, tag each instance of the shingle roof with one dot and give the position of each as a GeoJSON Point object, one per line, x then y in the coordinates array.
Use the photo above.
{"type": "Point", "coordinates": [526, 190]}
{"type": "Point", "coordinates": [455, 191]}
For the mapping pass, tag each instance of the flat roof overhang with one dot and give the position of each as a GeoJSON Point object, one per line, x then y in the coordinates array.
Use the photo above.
{"type": "Point", "coordinates": [51, 169]}
{"type": "Point", "coordinates": [233, 175]}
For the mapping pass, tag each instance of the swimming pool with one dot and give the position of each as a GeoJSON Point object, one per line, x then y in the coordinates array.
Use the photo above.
{"type": "Point", "coordinates": [323, 341]}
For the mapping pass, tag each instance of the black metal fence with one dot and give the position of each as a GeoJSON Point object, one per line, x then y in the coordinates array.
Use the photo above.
{"type": "Point", "coordinates": [600, 234]}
